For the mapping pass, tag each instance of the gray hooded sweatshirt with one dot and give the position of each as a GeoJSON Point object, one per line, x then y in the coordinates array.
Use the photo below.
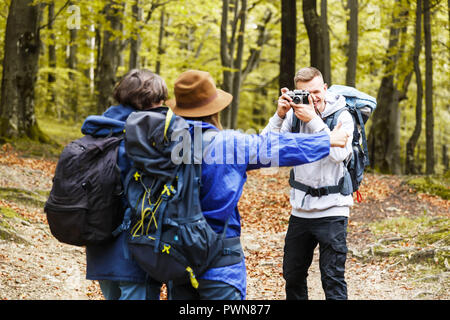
{"type": "Point", "coordinates": [325, 172]}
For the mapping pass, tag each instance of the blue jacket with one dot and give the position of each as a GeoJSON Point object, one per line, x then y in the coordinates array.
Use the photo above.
{"type": "Point", "coordinates": [226, 160]}
{"type": "Point", "coordinates": [112, 261]}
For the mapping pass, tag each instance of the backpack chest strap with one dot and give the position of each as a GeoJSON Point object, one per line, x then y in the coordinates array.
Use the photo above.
{"type": "Point", "coordinates": [313, 192]}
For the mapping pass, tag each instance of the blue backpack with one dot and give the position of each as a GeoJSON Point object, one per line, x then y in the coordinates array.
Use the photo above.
{"type": "Point", "coordinates": [168, 235]}
{"type": "Point", "coordinates": [360, 106]}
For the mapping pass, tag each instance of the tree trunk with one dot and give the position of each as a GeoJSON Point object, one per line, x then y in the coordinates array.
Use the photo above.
{"type": "Point", "coordinates": [135, 41]}
{"type": "Point", "coordinates": [384, 137]}
{"type": "Point", "coordinates": [352, 49]}
{"type": "Point", "coordinates": [98, 50]}
{"type": "Point", "coordinates": [288, 43]}
{"type": "Point", "coordinates": [110, 56]}
{"type": "Point", "coordinates": [238, 64]}
{"type": "Point", "coordinates": [429, 119]}
{"type": "Point", "coordinates": [20, 68]}
{"type": "Point", "coordinates": [445, 160]}
{"type": "Point", "coordinates": [255, 53]}
{"type": "Point", "coordinates": [50, 104]}
{"type": "Point", "coordinates": [412, 142]}
{"type": "Point", "coordinates": [317, 29]}
{"type": "Point", "coordinates": [232, 52]}
{"type": "Point", "coordinates": [326, 42]}
{"type": "Point", "coordinates": [232, 67]}
{"type": "Point", "coordinates": [72, 64]}
{"type": "Point", "coordinates": [313, 27]}
{"type": "Point", "coordinates": [160, 41]}
{"type": "Point", "coordinates": [226, 59]}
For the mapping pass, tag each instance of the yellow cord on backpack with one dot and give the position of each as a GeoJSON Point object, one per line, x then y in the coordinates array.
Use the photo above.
{"type": "Point", "coordinates": [166, 249]}
{"type": "Point", "coordinates": [168, 119]}
{"type": "Point", "coordinates": [194, 281]}
{"type": "Point", "coordinates": [144, 215]}
{"type": "Point", "coordinates": [166, 190]}
{"type": "Point", "coordinates": [146, 212]}
{"type": "Point", "coordinates": [139, 226]}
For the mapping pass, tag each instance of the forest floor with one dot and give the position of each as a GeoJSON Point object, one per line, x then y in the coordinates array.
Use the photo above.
{"type": "Point", "coordinates": [398, 239]}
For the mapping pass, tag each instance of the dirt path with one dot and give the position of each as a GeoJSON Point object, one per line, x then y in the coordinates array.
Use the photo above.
{"type": "Point", "coordinates": [265, 211]}
{"type": "Point", "coordinates": [35, 266]}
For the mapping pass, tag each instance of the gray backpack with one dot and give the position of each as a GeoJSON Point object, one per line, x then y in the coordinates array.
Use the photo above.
{"type": "Point", "coordinates": [168, 235]}
{"type": "Point", "coordinates": [360, 106]}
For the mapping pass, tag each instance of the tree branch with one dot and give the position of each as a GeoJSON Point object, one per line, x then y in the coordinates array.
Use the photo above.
{"type": "Point", "coordinates": [154, 6]}
{"type": "Point", "coordinates": [51, 20]}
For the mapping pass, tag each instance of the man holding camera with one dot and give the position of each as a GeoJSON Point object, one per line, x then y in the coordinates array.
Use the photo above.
{"type": "Point", "coordinates": [320, 205]}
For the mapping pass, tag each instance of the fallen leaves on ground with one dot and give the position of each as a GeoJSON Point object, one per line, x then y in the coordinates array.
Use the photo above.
{"type": "Point", "coordinates": [10, 157]}
{"type": "Point", "coordinates": [265, 210]}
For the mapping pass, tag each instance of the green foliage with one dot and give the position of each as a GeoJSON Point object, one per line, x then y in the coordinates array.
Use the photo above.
{"type": "Point", "coordinates": [437, 185]}
{"type": "Point", "coordinates": [33, 148]}
{"type": "Point", "coordinates": [29, 198]}
{"type": "Point", "coordinates": [8, 213]}
{"type": "Point", "coordinates": [60, 131]}
{"type": "Point", "coordinates": [413, 228]}
{"type": "Point", "coordinates": [4, 5]}
{"type": "Point", "coordinates": [7, 231]}
{"type": "Point", "coordinates": [191, 40]}
{"type": "Point", "coordinates": [423, 239]}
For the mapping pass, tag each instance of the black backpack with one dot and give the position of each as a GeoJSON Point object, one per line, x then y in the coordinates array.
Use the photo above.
{"type": "Point", "coordinates": [360, 106]}
{"type": "Point", "coordinates": [85, 205]}
{"type": "Point", "coordinates": [168, 235]}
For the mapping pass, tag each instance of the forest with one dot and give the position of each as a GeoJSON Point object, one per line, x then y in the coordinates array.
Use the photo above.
{"type": "Point", "coordinates": [62, 58]}
{"type": "Point", "coordinates": [60, 61]}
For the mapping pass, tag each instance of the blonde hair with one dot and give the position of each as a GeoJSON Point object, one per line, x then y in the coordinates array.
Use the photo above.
{"type": "Point", "coordinates": [307, 74]}
{"type": "Point", "coordinates": [213, 119]}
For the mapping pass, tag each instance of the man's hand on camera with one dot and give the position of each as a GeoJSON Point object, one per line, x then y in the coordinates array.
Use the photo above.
{"type": "Point", "coordinates": [338, 137]}
{"type": "Point", "coordinates": [283, 103]}
{"type": "Point", "coordinates": [305, 112]}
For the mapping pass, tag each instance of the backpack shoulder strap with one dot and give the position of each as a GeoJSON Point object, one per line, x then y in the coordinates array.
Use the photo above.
{"type": "Point", "coordinates": [331, 120]}
{"type": "Point", "coordinates": [295, 124]}
{"type": "Point", "coordinates": [360, 121]}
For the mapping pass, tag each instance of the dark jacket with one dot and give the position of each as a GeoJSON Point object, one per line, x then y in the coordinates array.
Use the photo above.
{"type": "Point", "coordinates": [112, 261]}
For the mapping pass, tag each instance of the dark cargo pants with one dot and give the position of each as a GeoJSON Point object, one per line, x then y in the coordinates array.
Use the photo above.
{"type": "Point", "coordinates": [302, 237]}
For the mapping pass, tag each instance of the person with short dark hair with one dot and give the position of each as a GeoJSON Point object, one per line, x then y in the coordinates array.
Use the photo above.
{"type": "Point", "coordinates": [119, 276]}
{"type": "Point", "coordinates": [141, 89]}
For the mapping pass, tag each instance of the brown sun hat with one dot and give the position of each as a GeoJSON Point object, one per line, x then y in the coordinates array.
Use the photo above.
{"type": "Point", "coordinates": [196, 95]}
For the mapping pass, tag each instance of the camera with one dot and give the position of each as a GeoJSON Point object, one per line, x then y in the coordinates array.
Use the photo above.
{"type": "Point", "coordinates": [299, 96]}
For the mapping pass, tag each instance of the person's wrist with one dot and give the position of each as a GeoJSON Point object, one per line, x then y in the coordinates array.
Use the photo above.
{"type": "Point", "coordinates": [282, 115]}
{"type": "Point", "coordinates": [316, 124]}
